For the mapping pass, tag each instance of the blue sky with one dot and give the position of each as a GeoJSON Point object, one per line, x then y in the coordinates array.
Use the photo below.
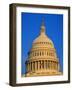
{"type": "Point", "coordinates": [31, 23]}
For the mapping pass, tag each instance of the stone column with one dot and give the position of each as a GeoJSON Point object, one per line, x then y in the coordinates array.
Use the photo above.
{"type": "Point", "coordinates": [44, 64]}
{"type": "Point", "coordinates": [28, 66]}
{"type": "Point", "coordinates": [53, 65]}
{"type": "Point", "coordinates": [32, 66]}
{"type": "Point", "coordinates": [37, 64]}
{"type": "Point", "coordinates": [50, 64]}
{"type": "Point", "coordinates": [41, 64]}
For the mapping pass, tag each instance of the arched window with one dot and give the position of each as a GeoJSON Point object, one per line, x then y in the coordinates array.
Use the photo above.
{"type": "Point", "coordinates": [40, 53]}
{"type": "Point", "coordinates": [37, 54]}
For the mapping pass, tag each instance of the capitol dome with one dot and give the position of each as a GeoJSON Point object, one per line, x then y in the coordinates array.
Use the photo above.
{"type": "Point", "coordinates": [42, 58]}
{"type": "Point", "coordinates": [42, 38]}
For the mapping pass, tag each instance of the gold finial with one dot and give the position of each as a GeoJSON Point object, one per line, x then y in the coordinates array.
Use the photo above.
{"type": "Point", "coordinates": [42, 26]}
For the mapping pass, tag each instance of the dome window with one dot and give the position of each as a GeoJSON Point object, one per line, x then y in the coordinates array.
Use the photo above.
{"type": "Point", "coordinates": [42, 53]}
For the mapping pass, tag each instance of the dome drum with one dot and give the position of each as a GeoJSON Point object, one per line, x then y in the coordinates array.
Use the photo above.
{"type": "Point", "coordinates": [42, 66]}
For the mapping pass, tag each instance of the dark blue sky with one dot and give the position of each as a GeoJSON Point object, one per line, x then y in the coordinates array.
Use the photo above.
{"type": "Point", "coordinates": [31, 23]}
